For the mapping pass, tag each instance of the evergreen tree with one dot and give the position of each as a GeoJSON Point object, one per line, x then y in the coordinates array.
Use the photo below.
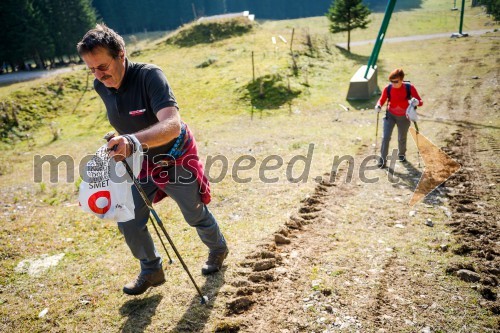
{"type": "Point", "coordinates": [24, 34]}
{"type": "Point", "coordinates": [38, 43]}
{"type": "Point", "coordinates": [347, 15]}
{"type": "Point", "coordinates": [41, 30]}
{"type": "Point", "coordinates": [67, 21]}
{"type": "Point", "coordinates": [492, 8]}
{"type": "Point", "coordinates": [80, 17]}
{"type": "Point", "coordinates": [12, 27]}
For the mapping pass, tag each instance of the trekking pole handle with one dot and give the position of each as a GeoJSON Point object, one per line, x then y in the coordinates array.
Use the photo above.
{"type": "Point", "coordinates": [108, 137]}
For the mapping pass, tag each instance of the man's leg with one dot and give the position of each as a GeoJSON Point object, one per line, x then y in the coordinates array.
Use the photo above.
{"type": "Point", "coordinates": [141, 244]}
{"type": "Point", "coordinates": [389, 123]}
{"type": "Point", "coordinates": [184, 190]}
{"type": "Point", "coordinates": [403, 127]}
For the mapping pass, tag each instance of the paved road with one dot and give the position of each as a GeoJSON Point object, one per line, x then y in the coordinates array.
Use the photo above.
{"type": "Point", "coordinates": [412, 38]}
{"type": "Point", "coordinates": [26, 76]}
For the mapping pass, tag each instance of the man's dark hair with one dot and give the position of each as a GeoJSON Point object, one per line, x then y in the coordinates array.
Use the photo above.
{"type": "Point", "coordinates": [101, 36]}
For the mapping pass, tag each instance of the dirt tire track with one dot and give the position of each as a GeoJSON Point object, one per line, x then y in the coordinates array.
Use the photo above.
{"type": "Point", "coordinates": [280, 263]}
{"type": "Point", "coordinates": [474, 219]}
{"type": "Point", "coordinates": [454, 96]}
{"type": "Point", "coordinates": [372, 294]}
{"type": "Point", "coordinates": [381, 297]}
{"type": "Point", "coordinates": [370, 291]}
{"type": "Point", "coordinates": [475, 187]}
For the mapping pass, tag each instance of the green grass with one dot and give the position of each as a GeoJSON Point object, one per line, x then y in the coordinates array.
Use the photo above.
{"type": "Point", "coordinates": [230, 75]}
{"type": "Point", "coordinates": [210, 31]}
{"type": "Point", "coordinates": [84, 292]}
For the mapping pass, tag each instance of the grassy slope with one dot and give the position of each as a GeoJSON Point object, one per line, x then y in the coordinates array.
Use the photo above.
{"type": "Point", "coordinates": [97, 261]}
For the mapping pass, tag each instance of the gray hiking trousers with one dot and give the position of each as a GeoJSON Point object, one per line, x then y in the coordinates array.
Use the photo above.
{"type": "Point", "coordinates": [184, 190]}
{"type": "Point", "coordinates": [403, 125]}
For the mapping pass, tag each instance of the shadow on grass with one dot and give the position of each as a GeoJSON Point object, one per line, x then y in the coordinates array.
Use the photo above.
{"type": "Point", "coordinates": [196, 316]}
{"type": "Point", "coordinates": [362, 60]}
{"type": "Point", "coordinates": [460, 123]}
{"type": "Point", "coordinates": [368, 104]}
{"type": "Point", "coordinates": [406, 179]}
{"type": "Point", "coordinates": [411, 178]}
{"type": "Point", "coordinates": [139, 313]}
{"type": "Point", "coordinates": [270, 92]}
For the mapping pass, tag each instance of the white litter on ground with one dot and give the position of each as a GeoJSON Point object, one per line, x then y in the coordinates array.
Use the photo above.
{"type": "Point", "coordinates": [43, 313]}
{"type": "Point", "coordinates": [38, 266]}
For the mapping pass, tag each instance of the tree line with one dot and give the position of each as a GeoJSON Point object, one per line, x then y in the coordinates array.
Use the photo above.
{"type": "Point", "coordinates": [42, 31]}
{"type": "Point", "coordinates": [45, 32]}
{"type": "Point", "coordinates": [132, 16]}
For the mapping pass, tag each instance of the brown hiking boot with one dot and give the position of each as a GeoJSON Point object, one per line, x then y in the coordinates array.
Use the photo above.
{"type": "Point", "coordinates": [143, 282]}
{"type": "Point", "coordinates": [214, 262]}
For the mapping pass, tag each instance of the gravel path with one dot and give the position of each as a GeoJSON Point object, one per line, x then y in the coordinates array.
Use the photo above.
{"type": "Point", "coordinates": [26, 76]}
{"type": "Point", "coordinates": [416, 37]}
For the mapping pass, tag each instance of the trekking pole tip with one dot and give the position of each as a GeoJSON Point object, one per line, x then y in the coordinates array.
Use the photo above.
{"type": "Point", "coordinates": [170, 262]}
{"type": "Point", "coordinates": [204, 300]}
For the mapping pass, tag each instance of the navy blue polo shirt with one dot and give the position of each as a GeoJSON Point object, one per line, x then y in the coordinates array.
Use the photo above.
{"type": "Point", "coordinates": [133, 106]}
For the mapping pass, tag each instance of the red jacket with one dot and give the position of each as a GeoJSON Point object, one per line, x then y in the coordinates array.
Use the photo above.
{"type": "Point", "coordinates": [398, 103]}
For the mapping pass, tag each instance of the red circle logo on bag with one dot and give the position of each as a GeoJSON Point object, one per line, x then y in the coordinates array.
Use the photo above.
{"type": "Point", "coordinates": [100, 202]}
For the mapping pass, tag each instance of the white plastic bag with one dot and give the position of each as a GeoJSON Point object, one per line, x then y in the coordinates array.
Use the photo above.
{"type": "Point", "coordinates": [411, 113]}
{"type": "Point", "coordinates": [106, 187]}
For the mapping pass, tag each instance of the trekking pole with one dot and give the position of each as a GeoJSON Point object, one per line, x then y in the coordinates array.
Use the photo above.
{"type": "Point", "coordinates": [418, 151]}
{"type": "Point", "coordinates": [376, 133]}
{"type": "Point", "coordinates": [170, 261]}
{"type": "Point", "coordinates": [203, 299]}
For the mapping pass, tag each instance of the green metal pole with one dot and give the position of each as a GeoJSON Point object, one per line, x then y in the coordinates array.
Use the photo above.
{"type": "Point", "coordinates": [380, 37]}
{"type": "Point", "coordinates": [461, 17]}
{"type": "Point", "coordinates": [390, 6]}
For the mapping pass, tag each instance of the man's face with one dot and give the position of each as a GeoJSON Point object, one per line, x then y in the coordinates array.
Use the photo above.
{"type": "Point", "coordinates": [105, 68]}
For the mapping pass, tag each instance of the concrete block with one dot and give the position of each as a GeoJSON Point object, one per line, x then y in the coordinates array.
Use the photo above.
{"type": "Point", "coordinates": [361, 88]}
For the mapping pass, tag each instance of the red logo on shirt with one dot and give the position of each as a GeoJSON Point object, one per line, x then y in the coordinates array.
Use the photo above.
{"type": "Point", "coordinates": [137, 112]}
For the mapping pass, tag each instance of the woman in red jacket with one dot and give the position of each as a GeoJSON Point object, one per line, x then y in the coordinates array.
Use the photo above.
{"type": "Point", "coordinates": [399, 95]}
